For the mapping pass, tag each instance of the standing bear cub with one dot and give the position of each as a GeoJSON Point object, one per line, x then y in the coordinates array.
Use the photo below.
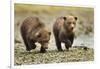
{"type": "Point", "coordinates": [63, 31]}
{"type": "Point", "coordinates": [32, 31]}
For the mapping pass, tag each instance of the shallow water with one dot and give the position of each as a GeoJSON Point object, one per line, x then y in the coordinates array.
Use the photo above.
{"type": "Point", "coordinates": [84, 40]}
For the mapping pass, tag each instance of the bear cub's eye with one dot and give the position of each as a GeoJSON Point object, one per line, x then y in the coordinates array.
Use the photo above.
{"type": "Point", "coordinates": [39, 35]}
{"type": "Point", "coordinates": [74, 23]}
{"type": "Point", "coordinates": [69, 22]}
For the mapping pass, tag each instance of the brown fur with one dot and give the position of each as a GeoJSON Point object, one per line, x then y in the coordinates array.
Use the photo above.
{"type": "Point", "coordinates": [63, 31]}
{"type": "Point", "coordinates": [32, 31]}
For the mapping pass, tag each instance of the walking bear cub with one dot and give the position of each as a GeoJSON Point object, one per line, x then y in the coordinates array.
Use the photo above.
{"type": "Point", "coordinates": [63, 31]}
{"type": "Point", "coordinates": [32, 31]}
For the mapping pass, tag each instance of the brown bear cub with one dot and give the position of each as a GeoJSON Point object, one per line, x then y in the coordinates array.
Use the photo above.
{"type": "Point", "coordinates": [32, 31]}
{"type": "Point", "coordinates": [63, 30]}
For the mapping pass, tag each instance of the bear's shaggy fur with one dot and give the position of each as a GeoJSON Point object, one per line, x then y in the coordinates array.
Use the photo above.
{"type": "Point", "coordinates": [32, 31]}
{"type": "Point", "coordinates": [63, 31]}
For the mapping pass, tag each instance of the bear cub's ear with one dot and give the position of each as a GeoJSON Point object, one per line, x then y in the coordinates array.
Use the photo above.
{"type": "Point", "coordinates": [75, 18]}
{"type": "Point", "coordinates": [64, 18]}
{"type": "Point", "coordinates": [49, 33]}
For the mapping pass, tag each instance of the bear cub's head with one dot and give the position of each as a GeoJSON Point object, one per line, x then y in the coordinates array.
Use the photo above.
{"type": "Point", "coordinates": [70, 23]}
{"type": "Point", "coordinates": [43, 37]}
